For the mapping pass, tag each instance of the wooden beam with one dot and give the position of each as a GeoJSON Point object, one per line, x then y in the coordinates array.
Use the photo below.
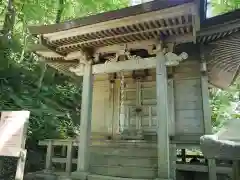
{"type": "Point", "coordinates": [203, 168]}
{"type": "Point", "coordinates": [128, 65]}
{"type": "Point", "coordinates": [48, 53]}
{"type": "Point", "coordinates": [212, 172]}
{"type": "Point", "coordinates": [180, 39]}
{"type": "Point", "coordinates": [136, 63]}
{"type": "Point", "coordinates": [80, 55]}
{"type": "Point", "coordinates": [60, 61]}
{"type": "Point", "coordinates": [146, 44]}
{"type": "Point", "coordinates": [44, 42]}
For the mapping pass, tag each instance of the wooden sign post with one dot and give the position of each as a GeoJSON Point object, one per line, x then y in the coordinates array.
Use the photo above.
{"type": "Point", "coordinates": [13, 130]}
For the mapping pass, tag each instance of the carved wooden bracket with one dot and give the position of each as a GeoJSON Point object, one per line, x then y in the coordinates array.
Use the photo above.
{"type": "Point", "coordinates": [132, 63]}
{"type": "Point", "coordinates": [81, 55]}
{"type": "Point", "coordinates": [173, 59]}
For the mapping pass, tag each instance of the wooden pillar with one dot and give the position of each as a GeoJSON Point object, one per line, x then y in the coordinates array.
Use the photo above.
{"type": "Point", "coordinates": [111, 107]}
{"type": "Point", "coordinates": [63, 154]}
{"type": "Point", "coordinates": [49, 155]}
{"type": "Point", "coordinates": [207, 117]}
{"type": "Point", "coordinates": [162, 118]}
{"type": "Point", "coordinates": [171, 125]}
{"type": "Point", "coordinates": [85, 125]}
{"type": "Point", "coordinates": [183, 154]}
{"type": "Point", "coordinates": [69, 157]}
{"type": "Point", "coordinates": [173, 160]}
{"type": "Point", "coordinates": [236, 170]}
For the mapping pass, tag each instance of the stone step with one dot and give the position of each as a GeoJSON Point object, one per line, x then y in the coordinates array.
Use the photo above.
{"type": "Point", "coordinates": [110, 160]}
{"type": "Point", "coordinates": [125, 151]}
{"type": "Point", "coordinates": [42, 175]}
{"type": "Point", "coordinates": [124, 171]}
{"type": "Point", "coordinates": [99, 177]}
{"type": "Point", "coordinates": [124, 143]}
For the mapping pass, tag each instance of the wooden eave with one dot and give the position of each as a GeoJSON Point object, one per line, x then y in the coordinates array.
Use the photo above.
{"type": "Point", "coordinates": [219, 27]}
{"type": "Point", "coordinates": [172, 20]}
{"type": "Point", "coordinates": [220, 40]}
{"type": "Point", "coordinates": [152, 6]}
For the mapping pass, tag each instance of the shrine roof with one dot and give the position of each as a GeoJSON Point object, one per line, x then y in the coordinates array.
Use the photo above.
{"type": "Point", "coordinates": [152, 6]}
{"type": "Point", "coordinates": [220, 26]}
{"type": "Point", "coordinates": [147, 21]}
{"type": "Point", "coordinates": [220, 39]}
{"type": "Point", "coordinates": [176, 20]}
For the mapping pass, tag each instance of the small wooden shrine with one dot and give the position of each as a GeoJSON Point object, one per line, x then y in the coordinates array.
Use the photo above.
{"type": "Point", "coordinates": [146, 72]}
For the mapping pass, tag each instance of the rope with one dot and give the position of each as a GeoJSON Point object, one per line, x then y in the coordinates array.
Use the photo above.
{"type": "Point", "coordinates": [122, 90]}
{"type": "Point", "coordinates": [122, 97]}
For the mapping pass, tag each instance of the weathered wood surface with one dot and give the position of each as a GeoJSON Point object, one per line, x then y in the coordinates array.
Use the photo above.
{"type": "Point", "coordinates": [123, 171]}
{"type": "Point", "coordinates": [100, 120]}
{"type": "Point", "coordinates": [181, 141]}
{"type": "Point", "coordinates": [188, 99]}
{"type": "Point", "coordinates": [162, 21]}
{"type": "Point", "coordinates": [163, 118]}
{"type": "Point", "coordinates": [86, 118]}
{"type": "Point", "coordinates": [127, 159]}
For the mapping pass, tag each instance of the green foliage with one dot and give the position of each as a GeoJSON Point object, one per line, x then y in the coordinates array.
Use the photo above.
{"type": "Point", "coordinates": [53, 99]}
{"type": "Point", "coordinates": [51, 107]}
{"type": "Point", "coordinates": [223, 6]}
{"type": "Point", "coordinates": [223, 104]}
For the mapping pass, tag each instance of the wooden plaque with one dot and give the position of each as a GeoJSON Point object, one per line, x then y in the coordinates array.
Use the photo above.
{"type": "Point", "coordinates": [13, 128]}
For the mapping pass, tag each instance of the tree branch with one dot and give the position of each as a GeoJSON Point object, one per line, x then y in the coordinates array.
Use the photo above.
{"type": "Point", "coordinates": [9, 20]}
{"type": "Point", "coordinates": [60, 11]}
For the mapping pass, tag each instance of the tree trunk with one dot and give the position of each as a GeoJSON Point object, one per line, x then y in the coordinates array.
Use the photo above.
{"type": "Point", "coordinates": [9, 20]}
{"type": "Point", "coordinates": [45, 68]}
{"type": "Point", "coordinates": [7, 31]}
{"type": "Point", "coordinates": [60, 11]}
